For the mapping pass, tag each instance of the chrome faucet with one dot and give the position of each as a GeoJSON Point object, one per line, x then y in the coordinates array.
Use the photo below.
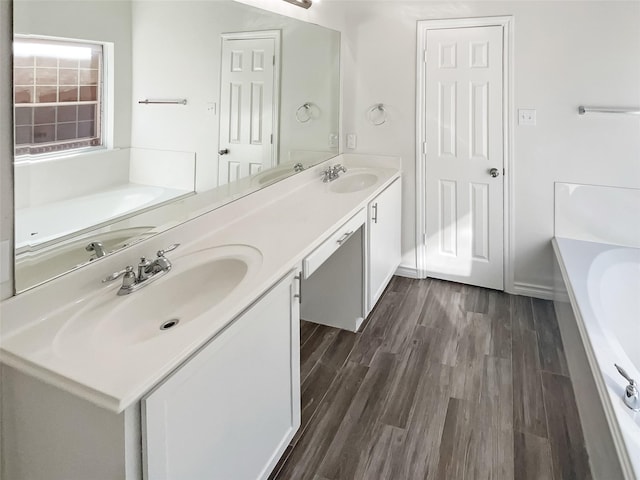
{"type": "Point", "coordinates": [147, 272]}
{"type": "Point", "coordinates": [631, 397]}
{"type": "Point", "coordinates": [298, 167]}
{"type": "Point", "coordinates": [331, 173]}
{"type": "Point", "coordinates": [96, 247]}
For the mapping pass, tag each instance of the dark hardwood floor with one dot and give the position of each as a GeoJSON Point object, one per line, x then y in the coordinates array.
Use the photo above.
{"type": "Point", "coordinates": [445, 381]}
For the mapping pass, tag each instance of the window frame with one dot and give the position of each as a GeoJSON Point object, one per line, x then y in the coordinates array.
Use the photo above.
{"type": "Point", "coordinates": [105, 117]}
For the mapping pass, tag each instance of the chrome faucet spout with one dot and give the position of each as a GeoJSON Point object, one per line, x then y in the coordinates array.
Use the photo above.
{"type": "Point", "coordinates": [147, 272]}
{"type": "Point", "coordinates": [332, 173]}
{"type": "Point", "coordinates": [631, 396]}
{"type": "Point", "coordinates": [97, 248]}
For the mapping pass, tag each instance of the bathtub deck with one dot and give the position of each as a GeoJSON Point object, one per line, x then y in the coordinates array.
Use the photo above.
{"type": "Point", "coordinates": [445, 381]}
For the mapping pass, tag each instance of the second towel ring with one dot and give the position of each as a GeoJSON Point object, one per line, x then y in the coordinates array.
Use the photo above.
{"type": "Point", "coordinates": [377, 115]}
{"type": "Point", "coordinates": [303, 113]}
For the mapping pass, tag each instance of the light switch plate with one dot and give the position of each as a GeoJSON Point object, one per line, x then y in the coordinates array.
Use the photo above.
{"type": "Point", "coordinates": [526, 117]}
{"type": "Point", "coordinates": [333, 140]}
{"type": "Point", "coordinates": [351, 141]}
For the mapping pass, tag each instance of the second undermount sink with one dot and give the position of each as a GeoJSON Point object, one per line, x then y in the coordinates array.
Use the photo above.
{"type": "Point", "coordinates": [198, 282]}
{"type": "Point", "coordinates": [354, 181]}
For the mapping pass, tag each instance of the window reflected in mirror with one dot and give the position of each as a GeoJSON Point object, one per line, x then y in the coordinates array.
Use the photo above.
{"type": "Point", "coordinates": [57, 95]}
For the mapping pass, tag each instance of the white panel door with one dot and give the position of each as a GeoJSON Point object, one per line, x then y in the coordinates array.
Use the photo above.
{"type": "Point", "coordinates": [247, 96]}
{"type": "Point", "coordinates": [464, 142]}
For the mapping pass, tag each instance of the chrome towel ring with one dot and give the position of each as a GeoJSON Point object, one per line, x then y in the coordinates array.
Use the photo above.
{"type": "Point", "coordinates": [304, 113]}
{"type": "Point", "coordinates": [377, 115]}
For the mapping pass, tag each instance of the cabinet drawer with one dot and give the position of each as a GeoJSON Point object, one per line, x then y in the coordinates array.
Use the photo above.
{"type": "Point", "coordinates": [324, 251]}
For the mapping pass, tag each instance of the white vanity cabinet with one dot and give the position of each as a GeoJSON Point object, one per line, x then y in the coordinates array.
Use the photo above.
{"type": "Point", "coordinates": [345, 276]}
{"type": "Point", "coordinates": [230, 411]}
{"type": "Point", "coordinates": [383, 240]}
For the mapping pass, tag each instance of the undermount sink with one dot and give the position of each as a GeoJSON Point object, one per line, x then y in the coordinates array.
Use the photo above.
{"type": "Point", "coordinates": [198, 282]}
{"type": "Point", "coordinates": [353, 181]}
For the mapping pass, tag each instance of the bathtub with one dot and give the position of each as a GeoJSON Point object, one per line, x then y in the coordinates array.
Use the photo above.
{"type": "Point", "coordinates": [597, 302]}
{"type": "Point", "coordinates": [38, 227]}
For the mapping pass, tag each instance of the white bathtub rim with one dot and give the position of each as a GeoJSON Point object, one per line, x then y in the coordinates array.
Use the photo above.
{"type": "Point", "coordinates": [629, 364]}
{"type": "Point", "coordinates": [617, 414]}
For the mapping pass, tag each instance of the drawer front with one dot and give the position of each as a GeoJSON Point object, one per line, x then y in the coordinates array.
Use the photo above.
{"type": "Point", "coordinates": [324, 251]}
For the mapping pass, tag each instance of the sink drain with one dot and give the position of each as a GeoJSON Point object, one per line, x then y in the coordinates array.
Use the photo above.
{"type": "Point", "coordinates": [169, 324]}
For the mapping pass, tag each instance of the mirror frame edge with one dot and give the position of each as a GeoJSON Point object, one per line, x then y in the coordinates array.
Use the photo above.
{"type": "Point", "coordinates": [7, 251]}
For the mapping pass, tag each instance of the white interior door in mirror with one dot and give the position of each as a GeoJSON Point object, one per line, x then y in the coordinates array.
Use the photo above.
{"type": "Point", "coordinates": [464, 155]}
{"type": "Point", "coordinates": [248, 104]}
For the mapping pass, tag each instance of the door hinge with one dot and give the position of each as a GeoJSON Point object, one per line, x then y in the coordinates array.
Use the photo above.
{"type": "Point", "coordinates": [424, 56]}
{"type": "Point", "coordinates": [424, 148]}
{"type": "Point", "coordinates": [424, 238]}
{"type": "Point", "coordinates": [273, 60]}
{"type": "Point", "coordinates": [504, 172]}
{"type": "Point", "coordinates": [272, 139]}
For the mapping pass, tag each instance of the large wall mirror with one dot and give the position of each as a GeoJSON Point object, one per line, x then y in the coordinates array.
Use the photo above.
{"type": "Point", "coordinates": [133, 116]}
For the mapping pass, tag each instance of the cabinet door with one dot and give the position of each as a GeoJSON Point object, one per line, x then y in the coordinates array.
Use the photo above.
{"type": "Point", "coordinates": [232, 409]}
{"type": "Point", "coordinates": [384, 250]}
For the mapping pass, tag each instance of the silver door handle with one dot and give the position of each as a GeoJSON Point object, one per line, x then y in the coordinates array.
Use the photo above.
{"type": "Point", "coordinates": [375, 212]}
{"type": "Point", "coordinates": [224, 151]}
{"type": "Point", "coordinates": [345, 237]}
{"type": "Point", "coordinates": [299, 294]}
{"type": "Point", "coordinates": [494, 172]}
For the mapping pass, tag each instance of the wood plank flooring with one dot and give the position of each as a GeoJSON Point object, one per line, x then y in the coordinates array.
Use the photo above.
{"type": "Point", "coordinates": [445, 381]}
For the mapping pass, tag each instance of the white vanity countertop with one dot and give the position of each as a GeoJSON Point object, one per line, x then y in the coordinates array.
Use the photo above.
{"type": "Point", "coordinates": [285, 222]}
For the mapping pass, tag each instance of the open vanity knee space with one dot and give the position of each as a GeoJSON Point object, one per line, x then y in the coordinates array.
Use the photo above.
{"type": "Point", "coordinates": [197, 374]}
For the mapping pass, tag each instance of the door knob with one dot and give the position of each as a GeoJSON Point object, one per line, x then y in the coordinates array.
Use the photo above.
{"type": "Point", "coordinates": [224, 151]}
{"type": "Point", "coordinates": [494, 172]}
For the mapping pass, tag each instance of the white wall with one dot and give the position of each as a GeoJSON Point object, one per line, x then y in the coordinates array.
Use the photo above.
{"type": "Point", "coordinates": [565, 54]}
{"type": "Point", "coordinates": [176, 55]}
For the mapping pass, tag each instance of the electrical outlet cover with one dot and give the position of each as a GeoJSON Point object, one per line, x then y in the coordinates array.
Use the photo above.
{"type": "Point", "coordinates": [526, 117]}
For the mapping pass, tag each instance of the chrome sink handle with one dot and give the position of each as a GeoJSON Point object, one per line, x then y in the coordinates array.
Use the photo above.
{"type": "Point", "coordinates": [170, 248]}
{"type": "Point", "coordinates": [115, 275]}
{"type": "Point", "coordinates": [339, 168]}
{"type": "Point", "coordinates": [631, 395]}
{"type": "Point", "coordinates": [147, 272]}
{"type": "Point", "coordinates": [162, 263]}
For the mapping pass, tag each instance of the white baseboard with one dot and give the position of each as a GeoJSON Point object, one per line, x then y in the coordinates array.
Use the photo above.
{"type": "Point", "coordinates": [531, 290]}
{"type": "Point", "coordinates": [406, 271]}
{"type": "Point", "coordinates": [519, 288]}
